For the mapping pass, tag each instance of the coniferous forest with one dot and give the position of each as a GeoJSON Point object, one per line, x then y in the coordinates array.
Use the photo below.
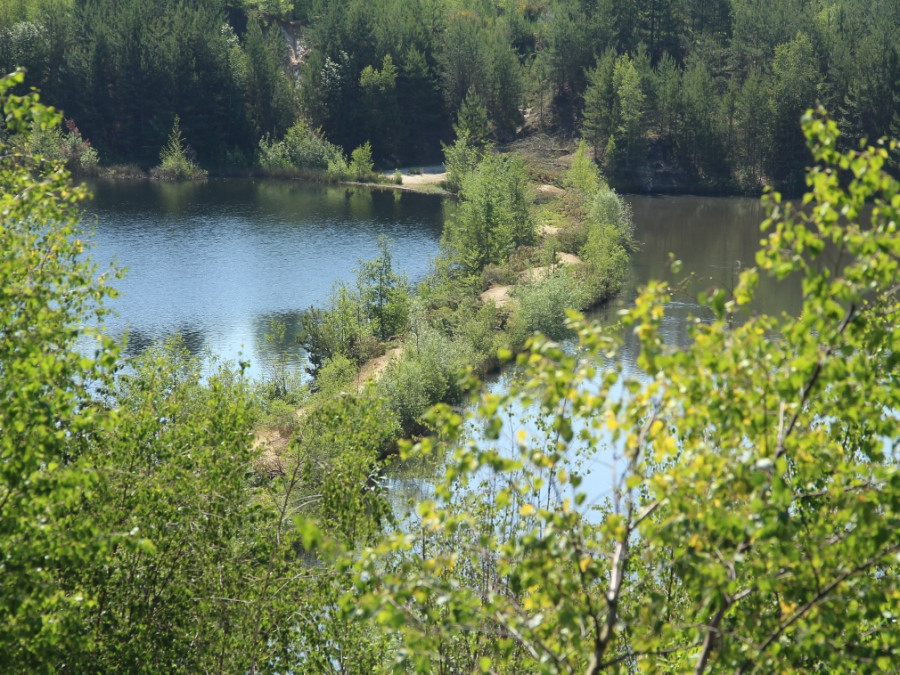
{"type": "Point", "coordinates": [683, 95]}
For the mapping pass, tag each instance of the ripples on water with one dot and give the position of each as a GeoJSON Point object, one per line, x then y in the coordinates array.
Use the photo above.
{"type": "Point", "coordinates": [217, 261]}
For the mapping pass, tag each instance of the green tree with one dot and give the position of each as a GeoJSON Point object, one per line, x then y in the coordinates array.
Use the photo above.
{"type": "Point", "coordinates": [173, 471]}
{"type": "Point", "coordinates": [383, 293]}
{"type": "Point", "coordinates": [472, 120]}
{"type": "Point", "coordinates": [494, 217]}
{"type": "Point", "coordinates": [613, 112]}
{"type": "Point", "coordinates": [361, 164]}
{"type": "Point", "coordinates": [175, 160]}
{"type": "Point", "coordinates": [379, 92]}
{"type": "Point", "coordinates": [47, 420]}
{"type": "Point", "coordinates": [753, 128]}
{"type": "Point", "coordinates": [600, 102]}
{"type": "Point", "coordinates": [629, 132]}
{"type": "Point", "coordinates": [751, 518]}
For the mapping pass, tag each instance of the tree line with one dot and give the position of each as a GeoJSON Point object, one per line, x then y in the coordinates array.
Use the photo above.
{"type": "Point", "coordinates": [669, 93]}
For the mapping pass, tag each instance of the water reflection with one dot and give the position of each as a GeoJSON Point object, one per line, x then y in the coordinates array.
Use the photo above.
{"type": "Point", "coordinates": [271, 346]}
{"type": "Point", "coordinates": [137, 341]}
{"type": "Point", "coordinates": [217, 260]}
{"type": "Point", "coordinates": [715, 238]}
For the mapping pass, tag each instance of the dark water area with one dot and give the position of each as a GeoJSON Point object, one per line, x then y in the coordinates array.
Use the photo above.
{"type": "Point", "coordinates": [217, 261]}
{"type": "Point", "coordinates": [714, 238]}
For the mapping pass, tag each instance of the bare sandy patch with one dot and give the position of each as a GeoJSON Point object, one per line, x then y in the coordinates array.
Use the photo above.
{"type": "Point", "coordinates": [499, 295]}
{"type": "Point", "coordinates": [535, 274]}
{"type": "Point", "coordinates": [271, 444]}
{"type": "Point", "coordinates": [411, 180]}
{"type": "Point", "coordinates": [372, 369]}
{"type": "Point", "coordinates": [548, 230]}
{"type": "Point", "coordinates": [546, 188]}
{"type": "Point", "coordinates": [568, 259]}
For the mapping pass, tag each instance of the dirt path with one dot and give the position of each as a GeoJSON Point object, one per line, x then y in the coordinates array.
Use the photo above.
{"type": "Point", "coordinates": [372, 369]}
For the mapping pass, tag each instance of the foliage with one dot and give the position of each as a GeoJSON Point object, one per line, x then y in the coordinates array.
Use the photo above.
{"type": "Point", "coordinates": [175, 158]}
{"type": "Point", "coordinates": [384, 295]}
{"type": "Point", "coordinates": [302, 148]}
{"type": "Point", "coordinates": [361, 164]}
{"type": "Point", "coordinates": [460, 159]}
{"type": "Point", "coordinates": [583, 177]}
{"type": "Point", "coordinates": [173, 477]}
{"type": "Point", "coordinates": [428, 372]}
{"type": "Point", "coordinates": [338, 329]}
{"type": "Point", "coordinates": [687, 96]}
{"type": "Point", "coordinates": [55, 146]}
{"type": "Point", "coordinates": [542, 308]}
{"type": "Point", "coordinates": [48, 293]}
{"type": "Point", "coordinates": [493, 217]}
{"type": "Point", "coordinates": [135, 537]}
{"type": "Point", "coordinates": [613, 108]}
{"type": "Point", "coordinates": [336, 376]}
{"type": "Point", "coordinates": [750, 517]}
{"type": "Point", "coordinates": [472, 121]}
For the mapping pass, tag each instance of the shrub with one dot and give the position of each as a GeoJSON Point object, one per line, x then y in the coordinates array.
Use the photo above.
{"type": "Point", "coordinates": [428, 373]}
{"type": "Point", "coordinates": [175, 158]}
{"type": "Point", "coordinates": [336, 375]}
{"type": "Point", "coordinates": [542, 308]}
{"type": "Point", "coordinates": [607, 207]}
{"type": "Point", "coordinates": [361, 164]}
{"type": "Point", "coordinates": [302, 148]}
{"type": "Point", "coordinates": [337, 168]}
{"type": "Point", "coordinates": [606, 263]}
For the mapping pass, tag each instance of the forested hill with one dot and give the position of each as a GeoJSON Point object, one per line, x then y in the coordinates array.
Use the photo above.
{"type": "Point", "coordinates": [671, 93]}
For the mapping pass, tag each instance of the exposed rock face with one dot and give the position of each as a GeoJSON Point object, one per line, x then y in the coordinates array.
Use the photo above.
{"type": "Point", "coordinates": [292, 32]}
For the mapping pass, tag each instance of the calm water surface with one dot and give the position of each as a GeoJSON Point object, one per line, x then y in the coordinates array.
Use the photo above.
{"type": "Point", "coordinates": [714, 237]}
{"type": "Point", "coordinates": [217, 261]}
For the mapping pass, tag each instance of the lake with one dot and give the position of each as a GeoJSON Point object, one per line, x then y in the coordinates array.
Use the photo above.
{"type": "Point", "coordinates": [216, 261]}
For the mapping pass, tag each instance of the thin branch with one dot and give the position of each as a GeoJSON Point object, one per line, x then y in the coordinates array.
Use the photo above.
{"type": "Point", "coordinates": [822, 594]}
{"type": "Point", "coordinates": [807, 390]}
{"type": "Point", "coordinates": [658, 652]}
{"type": "Point", "coordinates": [712, 632]}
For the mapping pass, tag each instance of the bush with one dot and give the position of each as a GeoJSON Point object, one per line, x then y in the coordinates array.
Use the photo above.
{"type": "Point", "coordinates": [302, 148]}
{"type": "Point", "coordinates": [542, 308]}
{"type": "Point", "coordinates": [51, 144]}
{"type": "Point", "coordinates": [428, 373]}
{"type": "Point", "coordinates": [335, 376]}
{"type": "Point", "coordinates": [607, 207]}
{"type": "Point", "coordinates": [606, 263]}
{"type": "Point", "coordinates": [337, 169]}
{"type": "Point", "coordinates": [175, 158]}
{"type": "Point", "coordinates": [361, 164]}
